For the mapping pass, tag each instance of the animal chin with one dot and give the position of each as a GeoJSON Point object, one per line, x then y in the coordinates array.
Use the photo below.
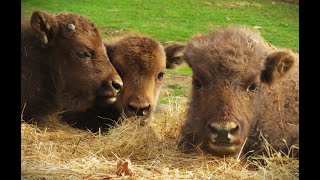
{"type": "Point", "coordinates": [105, 101]}
{"type": "Point", "coordinates": [80, 102]}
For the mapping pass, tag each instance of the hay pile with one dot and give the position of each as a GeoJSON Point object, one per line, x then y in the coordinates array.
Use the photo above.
{"type": "Point", "coordinates": [58, 151]}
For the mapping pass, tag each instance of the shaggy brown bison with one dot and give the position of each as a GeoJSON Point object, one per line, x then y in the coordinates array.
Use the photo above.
{"type": "Point", "coordinates": [140, 61]}
{"type": "Point", "coordinates": [243, 92]}
{"type": "Point", "coordinates": [64, 65]}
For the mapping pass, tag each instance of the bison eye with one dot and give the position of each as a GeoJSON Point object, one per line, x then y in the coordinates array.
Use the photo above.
{"type": "Point", "coordinates": [83, 54]}
{"type": "Point", "coordinates": [160, 76]}
{"type": "Point", "coordinates": [253, 87]}
{"type": "Point", "coordinates": [197, 84]}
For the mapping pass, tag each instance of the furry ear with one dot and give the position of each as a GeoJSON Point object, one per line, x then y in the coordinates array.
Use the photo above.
{"type": "Point", "coordinates": [277, 64]}
{"type": "Point", "coordinates": [44, 25]}
{"type": "Point", "coordinates": [174, 54]}
{"type": "Point", "coordinates": [110, 50]}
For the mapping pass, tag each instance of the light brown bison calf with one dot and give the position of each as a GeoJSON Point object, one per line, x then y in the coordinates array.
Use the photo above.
{"type": "Point", "coordinates": [64, 65]}
{"type": "Point", "coordinates": [243, 91]}
{"type": "Point", "coordinates": [140, 61]}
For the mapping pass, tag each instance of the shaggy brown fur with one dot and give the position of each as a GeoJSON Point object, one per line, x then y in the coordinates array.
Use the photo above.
{"type": "Point", "coordinates": [64, 65]}
{"type": "Point", "coordinates": [242, 89]}
{"type": "Point", "coordinates": [140, 61]}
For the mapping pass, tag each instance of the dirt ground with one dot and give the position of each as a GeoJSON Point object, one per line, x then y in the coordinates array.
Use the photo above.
{"type": "Point", "coordinates": [171, 81]}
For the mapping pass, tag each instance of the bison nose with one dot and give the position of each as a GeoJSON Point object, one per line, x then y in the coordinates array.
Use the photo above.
{"type": "Point", "coordinates": [117, 85]}
{"type": "Point", "coordinates": [223, 132]}
{"type": "Point", "coordinates": [139, 109]}
{"type": "Point", "coordinates": [109, 90]}
{"type": "Point", "coordinates": [111, 87]}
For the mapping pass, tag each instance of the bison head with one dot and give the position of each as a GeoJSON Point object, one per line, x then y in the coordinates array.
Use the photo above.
{"type": "Point", "coordinates": [79, 65]}
{"type": "Point", "coordinates": [140, 61]}
{"type": "Point", "coordinates": [231, 68]}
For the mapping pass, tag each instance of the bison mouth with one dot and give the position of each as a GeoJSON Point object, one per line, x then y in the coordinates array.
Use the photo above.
{"type": "Point", "coordinates": [138, 113]}
{"type": "Point", "coordinates": [105, 100]}
{"type": "Point", "coordinates": [222, 148]}
{"type": "Point", "coordinates": [222, 144]}
{"type": "Point", "coordinates": [106, 97]}
{"type": "Point", "coordinates": [110, 100]}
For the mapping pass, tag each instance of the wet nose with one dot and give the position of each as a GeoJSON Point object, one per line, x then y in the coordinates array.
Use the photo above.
{"type": "Point", "coordinates": [222, 132]}
{"type": "Point", "coordinates": [139, 107]}
{"type": "Point", "coordinates": [117, 86]}
{"type": "Point", "coordinates": [111, 87]}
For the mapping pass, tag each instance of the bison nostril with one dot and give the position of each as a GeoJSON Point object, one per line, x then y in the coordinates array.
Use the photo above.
{"type": "Point", "coordinates": [234, 130]}
{"type": "Point", "coordinates": [147, 108]}
{"type": "Point", "coordinates": [117, 86]}
{"type": "Point", "coordinates": [213, 129]}
{"type": "Point", "coordinates": [111, 88]}
{"type": "Point", "coordinates": [140, 112]}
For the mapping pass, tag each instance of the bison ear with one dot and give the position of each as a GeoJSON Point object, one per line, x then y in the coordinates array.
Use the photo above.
{"type": "Point", "coordinates": [110, 50]}
{"type": "Point", "coordinates": [44, 25]}
{"type": "Point", "coordinates": [277, 65]}
{"type": "Point", "coordinates": [174, 54]}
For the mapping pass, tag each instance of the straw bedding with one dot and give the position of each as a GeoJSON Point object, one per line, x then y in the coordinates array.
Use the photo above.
{"type": "Point", "coordinates": [57, 151]}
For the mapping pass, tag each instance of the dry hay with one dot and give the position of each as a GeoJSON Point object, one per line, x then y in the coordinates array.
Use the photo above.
{"type": "Point", "coordinates": [58, 151]}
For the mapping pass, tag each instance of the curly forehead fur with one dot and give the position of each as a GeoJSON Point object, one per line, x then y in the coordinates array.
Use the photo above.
{"type": "Point", "coordinates": [140, 50]}
{"type": "Point", "coordinates": [82, 24]}
{"type": "Point", "coordinates": [230, 51]}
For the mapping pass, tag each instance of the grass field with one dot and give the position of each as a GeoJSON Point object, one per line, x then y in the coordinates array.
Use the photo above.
{"type": "Point", "coordinates": [179, 20]}
{"type": "Point", "coordinates": [60, 152]}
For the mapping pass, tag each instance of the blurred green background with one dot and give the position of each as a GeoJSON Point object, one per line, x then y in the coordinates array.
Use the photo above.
{"type": "Point", "coordinates": [179, 20]}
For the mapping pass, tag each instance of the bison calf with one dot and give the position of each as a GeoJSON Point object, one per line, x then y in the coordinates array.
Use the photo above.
{"type": "Point", "coordinates": [64, 65]}
{"type": "Point", "coordinates": [244, 91]}
{"type": "Point", "coordinates": [140, 61]}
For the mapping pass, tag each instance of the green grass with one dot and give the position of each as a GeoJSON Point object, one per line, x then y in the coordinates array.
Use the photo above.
{"type": "Point", "coordinates": [163, 100]}
{"type": "Point", "coordinates": [179, 20]}
{"type": "Point", "coordinates": [180, 70]}
{"type": "Point", "coordinates": [177, 90]}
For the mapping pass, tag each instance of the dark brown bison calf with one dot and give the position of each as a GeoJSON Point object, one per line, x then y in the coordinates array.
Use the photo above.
{"type": "Point", "coordinates": [64, 65]}
{"type": "Point", "coordinates": [140, 61]}
{"type": "Point", "coordinates": [243, 92]}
